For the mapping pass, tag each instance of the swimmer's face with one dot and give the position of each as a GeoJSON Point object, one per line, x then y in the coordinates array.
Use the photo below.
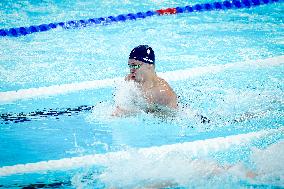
{"type": "Point", "coordinates": [138, 69]}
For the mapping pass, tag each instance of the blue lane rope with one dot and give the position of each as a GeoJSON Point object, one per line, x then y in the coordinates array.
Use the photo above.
{"type": "Point", "coordinates": [234, 4]}
{"type": "Point", "coordinates": [8, 118]}
{"type": "Point", "coordinates": [23, 117]}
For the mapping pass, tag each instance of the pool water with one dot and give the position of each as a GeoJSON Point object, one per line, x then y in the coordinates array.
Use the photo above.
{"type": "Point", "coordinates": [58, 89]}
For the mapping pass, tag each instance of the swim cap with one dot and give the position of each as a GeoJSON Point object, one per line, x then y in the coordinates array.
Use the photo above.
{"type": "Point", "coordinates": [143, 53]}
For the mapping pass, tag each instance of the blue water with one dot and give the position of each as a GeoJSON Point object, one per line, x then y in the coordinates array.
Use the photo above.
{"type": "Point", "coordinates": [234, 63]}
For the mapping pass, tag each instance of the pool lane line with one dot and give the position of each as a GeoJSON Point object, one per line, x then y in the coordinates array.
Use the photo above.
{"type": "Point", "coordinates": [222, 5]}
{"type": "Point", "coordinates": [7, 118]}
{"type": "Point", "coordinates": [47, 184]}
{"type": "Point", "coordinates": [10, 96]}
{"type": "Point", "coordinates": [186, 149]}
{"type": "Point", "coordinates": [39, 114]}
{"type": "Point", "coordinates": [170, 76]}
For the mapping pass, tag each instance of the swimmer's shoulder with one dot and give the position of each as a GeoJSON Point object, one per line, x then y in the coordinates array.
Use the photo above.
{"type": "Point", "coordinates": [165, 85]}
{"type": "Point", "coordinates": [166, 94]}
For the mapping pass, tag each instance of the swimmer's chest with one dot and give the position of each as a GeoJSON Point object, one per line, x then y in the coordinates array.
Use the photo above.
{"type": "Point", "coordinates": [153, 95]}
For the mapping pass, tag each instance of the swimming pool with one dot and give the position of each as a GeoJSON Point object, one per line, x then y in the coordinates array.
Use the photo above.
{"type": "Point", "coordinates": [57, 94]}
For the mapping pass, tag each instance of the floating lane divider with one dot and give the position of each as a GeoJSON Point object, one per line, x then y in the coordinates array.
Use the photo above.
{"type": "Point", "coordinates": [21, 117]}
{"type": "Point", "coordinates": [149, 155]}
{"type": "Point", "coordinates": [224, 5]}
{"type": "Point", "coordinates": [171, 76]}
{"type": "Point", "coordinates": [7, 118]}
{"type": "Point", "coordinates": [39, 114]}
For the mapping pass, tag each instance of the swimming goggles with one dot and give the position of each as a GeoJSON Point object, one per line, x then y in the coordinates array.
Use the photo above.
{"type": "Point", "coordinates": [132, 66]}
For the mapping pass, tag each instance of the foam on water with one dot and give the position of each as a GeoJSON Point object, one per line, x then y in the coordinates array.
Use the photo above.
{"type": "Point", "coordinates": [126, 94]}
{"type": "Point", "coordinates": [128, 97]}
{"type": "Point", "coordinates": [159, 168]}
{"type": "Point", "coordinates": [269, 164]}
{"type": "Point", "coordinates": [233, 106]}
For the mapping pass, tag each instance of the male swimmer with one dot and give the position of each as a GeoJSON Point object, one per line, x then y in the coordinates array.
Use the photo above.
{"type": "Point", "coordinates": [155, 91]}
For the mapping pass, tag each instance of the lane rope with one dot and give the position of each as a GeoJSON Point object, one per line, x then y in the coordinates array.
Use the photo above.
{"type": "Point", "coordinates": [39, 114]}
{"type": "Point", "coordinates": [171, 76]}
{"type": "Point", "coordinates": [199, 147]}
{"type": "Point", "coordinates": [224, 5]}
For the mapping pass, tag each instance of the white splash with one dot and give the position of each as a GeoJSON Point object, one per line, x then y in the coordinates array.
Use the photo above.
{"type": "Point", "coordinates": [269, 164]}
{"type": "Point", "coordinates": [128, 96]}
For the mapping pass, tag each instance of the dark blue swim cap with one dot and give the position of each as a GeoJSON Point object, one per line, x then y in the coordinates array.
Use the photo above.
{"type": "Point", "coordinates": [143, 53]}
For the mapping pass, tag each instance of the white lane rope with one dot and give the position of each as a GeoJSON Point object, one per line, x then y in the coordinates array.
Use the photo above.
{"type": "Point", "coordinates": [188, 148]}
{"type": "Point", "coordinates": [11, 96]}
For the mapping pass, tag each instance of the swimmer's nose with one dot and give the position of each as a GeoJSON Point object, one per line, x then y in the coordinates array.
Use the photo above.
{"type": "Point", "coordinates": [132, 75]}
{"type": "Point", "coordinates": [132, 70]}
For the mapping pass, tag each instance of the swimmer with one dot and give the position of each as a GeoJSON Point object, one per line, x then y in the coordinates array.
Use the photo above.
{"type": "Point", "coordinates": [156, 91]}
